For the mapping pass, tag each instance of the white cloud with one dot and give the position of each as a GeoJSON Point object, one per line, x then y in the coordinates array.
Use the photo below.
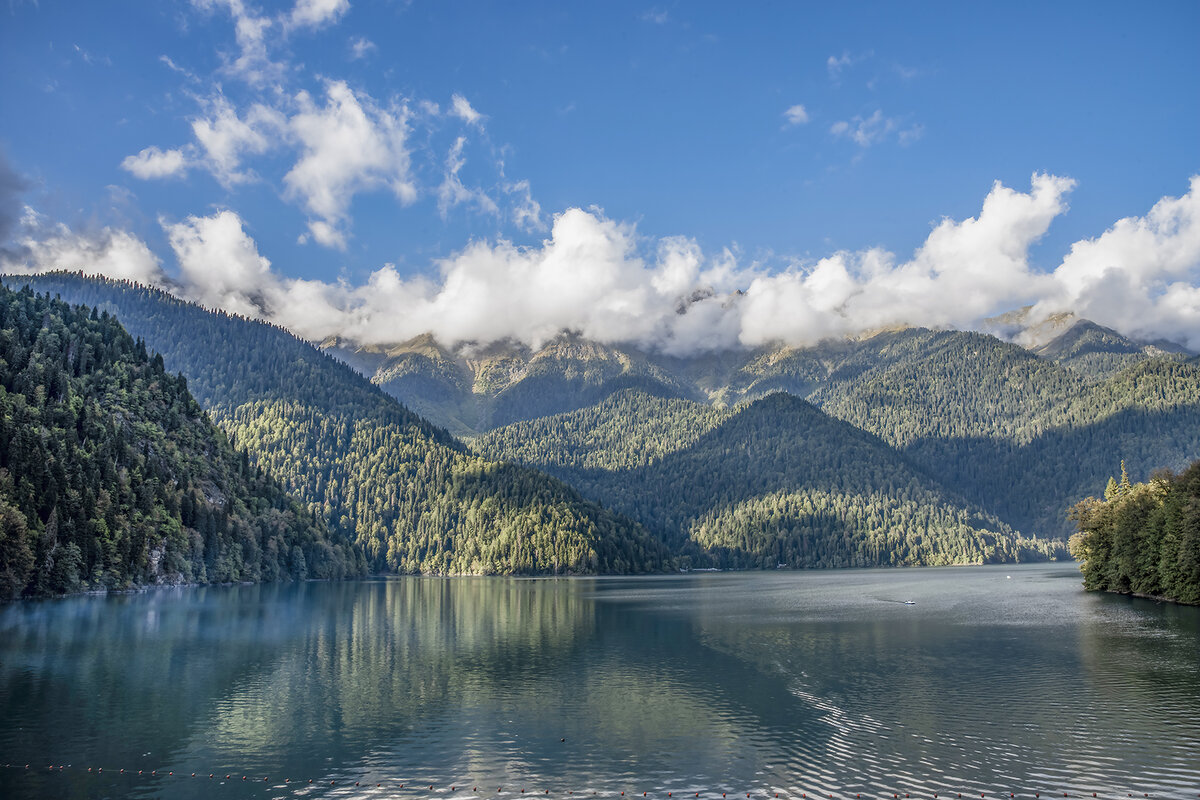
{"type": "Point", "coordinates": [796, 115]}
{"type": "Point", "coordinates": [461, 108]}
{"type": "Point", "coordinates": [152, 163]}
{"type": "Point", "coordinates": [361, 47]}
{"type": "Point", "coordinates": [1141, 276]}
{"type": "Point", "coordinates": [865, 131]}
{"type": "Point", "coordinates": [252, 64]}
{"type": "Point", "coordinates": [350, 145]}
{"type": "Point", "coordinates": [526, 212]}
{"type": "Point", "coordinates": [835, 65]}
{"type": "Point", "coordinates": [109, 252]}
{"type": "Point", "coordinates": [452, 192]}
{"type": "Point", "coordinates": [220, 264]}
{"type": "Point", "coordinates": [599, 277]}
{"type": "Point", "coordinates": [316, 13]}
{"type": "Point", "coordinates": [225, 137]}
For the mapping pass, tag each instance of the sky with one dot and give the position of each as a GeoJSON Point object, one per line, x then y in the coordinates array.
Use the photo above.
{"type": "Point", "coordinates": [682, 176]}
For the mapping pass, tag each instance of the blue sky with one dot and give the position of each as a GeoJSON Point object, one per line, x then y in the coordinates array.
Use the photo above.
{"type": "Point", "coordinates": [237, 144]}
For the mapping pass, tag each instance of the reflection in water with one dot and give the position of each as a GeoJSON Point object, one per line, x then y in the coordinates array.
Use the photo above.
{"type": "Point", "coordinates": [788, 682]}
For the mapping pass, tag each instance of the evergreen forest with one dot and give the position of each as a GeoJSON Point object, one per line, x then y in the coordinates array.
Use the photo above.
{"type": "Point", "coordinates": [112, 476]}
{"type": "Point", "coordinates": [771, 483]}
{"type": "Point", "coordinates": [1142, 538]}
{"type": "Point", "coordinates": [412, 497]}
{"type": "Point", "coordinates": [907, 447]}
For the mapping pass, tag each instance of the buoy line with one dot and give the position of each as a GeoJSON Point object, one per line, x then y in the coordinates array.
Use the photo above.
{"type": "Point", "coordinates": [420, 787]}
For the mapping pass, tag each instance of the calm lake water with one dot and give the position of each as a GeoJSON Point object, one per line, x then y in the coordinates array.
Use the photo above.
{"type": "Point", "coordinates": [789, 682]}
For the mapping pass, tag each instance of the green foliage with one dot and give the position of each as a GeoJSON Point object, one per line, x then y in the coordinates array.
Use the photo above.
{"type": "Point", "coordinates": [412, 497]}
{"type": "Point", "coordinates": [1020, 433]}
{"type": "Point", "coordinates": [111, 475]}
{"type": "Point", "coordinates": [774, 482]}
{"type": "Point", "coordinates": [1014, 433]}
{"type": "Point", "coordinates": [1143, 538]}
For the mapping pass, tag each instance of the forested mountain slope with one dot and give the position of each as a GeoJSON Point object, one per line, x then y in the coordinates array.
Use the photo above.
{"type": "Point", "coordinates": [473, 389]}
{"type": "Point", "coordinates": [412, 497]}
{"type": "Point", "coordinates": [773, 482]}
{"type": "Point", "coordinates": [111, 475]}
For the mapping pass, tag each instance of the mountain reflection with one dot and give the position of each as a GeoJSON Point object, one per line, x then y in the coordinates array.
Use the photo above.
{"type": "Point", "coordinates": [788, 682]}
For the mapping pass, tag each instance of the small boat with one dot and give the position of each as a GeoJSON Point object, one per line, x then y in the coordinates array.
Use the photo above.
{"type": "Point", "coordinates": [910, 602]}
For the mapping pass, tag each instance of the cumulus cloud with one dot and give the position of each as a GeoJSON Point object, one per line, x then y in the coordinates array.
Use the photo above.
{"type": "Point", "coordinates": [220, 264]}
{"type": "Point", "coordinates": [349, 145]}
{"type": "Point", "coordinates": [1141, 276]}
{"type": "Point", "coordinates": [152, 163]}
{"type": "Point", "coordinates": [599, 277]}
{"type": "Point", "coordinates": [226, 138]}
{"type": "Point", "coordinates": [112, 253]}
{"type": "Point", "coordinates": [796, 115]}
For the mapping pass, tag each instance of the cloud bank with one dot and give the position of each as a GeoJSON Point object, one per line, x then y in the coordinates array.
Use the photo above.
{"type": "Point", "coordinates": [599, 277]}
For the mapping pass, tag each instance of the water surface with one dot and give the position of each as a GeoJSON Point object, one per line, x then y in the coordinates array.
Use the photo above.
{"type": "Point", "coordinates": [997, 680]}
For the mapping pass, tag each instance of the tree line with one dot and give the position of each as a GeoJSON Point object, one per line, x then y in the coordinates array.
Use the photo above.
{"type": "Point", "coordinates": [1142, 538]}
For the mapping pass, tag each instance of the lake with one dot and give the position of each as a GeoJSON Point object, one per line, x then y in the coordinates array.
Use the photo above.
{"type": "Point", "coordinates": [997, 680]}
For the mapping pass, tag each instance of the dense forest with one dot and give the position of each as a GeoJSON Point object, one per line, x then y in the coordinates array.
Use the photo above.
{"type": "Point", "coordinates": [1142, 538]}
{"type": "Point", "coordinates": [774, 482]}
{"type": "Point", "coordinates": [409, 494]}
{"type": "Point", "coordinates": [1023, 433]}
{"type": "Point", "coordinates": [111, 475]}
{"type": "Point", "coordinates": [906, 447]}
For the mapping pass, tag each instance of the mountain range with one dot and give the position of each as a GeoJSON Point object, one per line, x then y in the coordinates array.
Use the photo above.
{"type": "Point", "coordinates": [1022, 432]}
{"type": "Point", "coordinates": [905, 446]}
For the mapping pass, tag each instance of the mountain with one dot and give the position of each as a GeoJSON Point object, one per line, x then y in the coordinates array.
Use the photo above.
{"type": "Point", "coordinates": [111, 475]}
{"type": "Point", "coordinates": [1020, 432]}
{"type": "Point", "coordinates": [407, 492]}
{"type": "Point", "coordinates": [772, 482]}
{"type": "Point", "coordinates": [472, 389]}
{"type": "Point", "coordinates": [1100, 352]}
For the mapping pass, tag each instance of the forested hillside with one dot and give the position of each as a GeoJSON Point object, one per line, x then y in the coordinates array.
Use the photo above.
{"type": "Point", "coordinates": [1020, 435]}
{"type": "Point", "coordinates": [111, 476]}
{"type": "Point", "coordinates": [409, 494]}
{"type": "Point", "coordinates": [1143, 538]}
{"type": "Point", "coordinates": [933, 446]}
{"type": "Point", "coordinates": [774, 482]}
